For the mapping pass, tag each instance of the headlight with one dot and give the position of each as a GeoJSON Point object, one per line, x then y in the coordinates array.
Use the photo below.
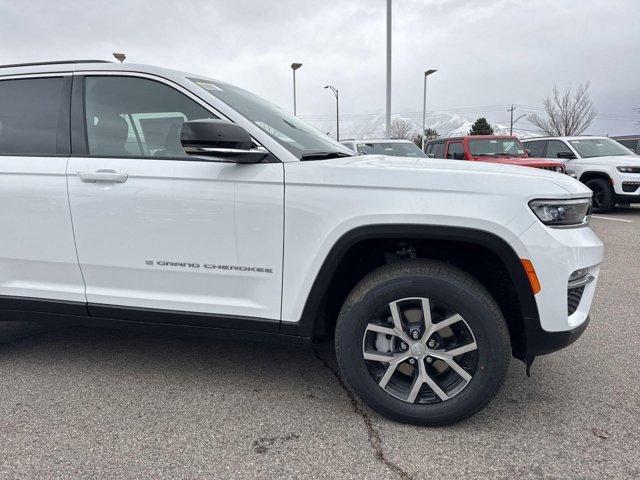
{"type": "Point", "coordinates": [562, 213]}
{"type": "Point", "coordinates": [629, 169]}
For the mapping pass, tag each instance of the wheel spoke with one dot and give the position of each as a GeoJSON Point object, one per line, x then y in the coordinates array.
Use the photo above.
{"type": "Point", "coordinates": [372, 327]}
{"type": "Point", "coordinates": [469, 347]}
{"type": "Point", "coordinates": [378, 357]}
{"type": "Point", "coordinates": [417, 383]}
{"type": "Point", "coordinates": [386, 357]}
{"type": "Point", "coordinates": [434, 386]}
{"type": "Point", "coordinates": [426, 318]}
{"type": "Point", "coordinates": [455, 366]}
{"type": "Point", "coordinates": [391, 369]}
{"type": "Point", "coordinates": [447, 322]}
{"type": "Point", "coordinates": [397, 321]}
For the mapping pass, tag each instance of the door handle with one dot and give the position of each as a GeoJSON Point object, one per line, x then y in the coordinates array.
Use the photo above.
{"type": "Point", "coordinates": [103, 176]}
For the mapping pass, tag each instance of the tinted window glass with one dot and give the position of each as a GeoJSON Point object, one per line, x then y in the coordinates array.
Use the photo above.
{"type": "Point", "coordinates": [455, 151]}
{"type": "Point", "coordinates": [128, 116]}
{"type": "Point", "coordinates": [632, 144]}
{"type": "Point", "coordinates": [556, 146]}
{"type": "Point", "coordinates": [536, 148]}
{"type": "Point", "coordinates": [436, 149]}
{"type": "Point", "coordinates": [34, 116]}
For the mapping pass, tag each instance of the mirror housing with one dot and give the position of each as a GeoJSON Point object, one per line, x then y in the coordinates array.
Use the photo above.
{"type": "Point", "coordinates": [458, 155]}
{"type": "Point", "coordinates": [220, 139]}
{"type": "Point", "coordinates": [566, 155]}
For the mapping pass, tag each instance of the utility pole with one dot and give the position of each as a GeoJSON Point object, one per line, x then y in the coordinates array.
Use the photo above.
{"type": "Point", "coordinates": [388, 115]}
{"type": "Point", "coordinates": [513, 107]}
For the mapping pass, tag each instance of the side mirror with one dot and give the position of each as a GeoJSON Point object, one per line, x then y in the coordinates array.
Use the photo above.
{"type": "Point", "coordinates": [528, 151]}
{"type": "Point", "coordinates": [431, 155]}
{"type": "Point", "coordinates": [566, 154]}
{"type": "Point", "coordinates": [458, 155]}
{"type": "Point", "coordinates": [220, 139]}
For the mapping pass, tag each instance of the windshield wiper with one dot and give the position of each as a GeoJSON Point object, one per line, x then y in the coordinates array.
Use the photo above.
{"type": "Point", "coordinates": [323, 155]}
{"type": "Point", "coordinates": [487, 155]}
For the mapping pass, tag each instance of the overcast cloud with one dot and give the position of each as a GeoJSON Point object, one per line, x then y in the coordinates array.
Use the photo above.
{"type": "Point", "coordinates": [489, 53]}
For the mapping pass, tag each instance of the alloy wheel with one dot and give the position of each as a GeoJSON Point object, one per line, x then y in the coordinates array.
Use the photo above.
{"type": "Point", "coordinates": [420, 351]}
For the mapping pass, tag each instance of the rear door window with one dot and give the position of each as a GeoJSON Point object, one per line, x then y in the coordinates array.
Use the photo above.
{"type": "Point", "coordinates": [34, 116]}
{"type": "Point", "coordinates": [455, 151]}
{"type": "Point", "coordinates": [436, 150]}
{"type": "Point", "coordinates": [556, 146]}
{"type": "Point", "coordinates": [536, 149]}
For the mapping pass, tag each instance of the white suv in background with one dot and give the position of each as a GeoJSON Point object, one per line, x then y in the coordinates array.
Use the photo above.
{"type": "Point", "coordinates": [142, 197]}
{"type": "Point", "coordinates": [389, 147]}
{"type": "Point", "coordinates": [611, 170]}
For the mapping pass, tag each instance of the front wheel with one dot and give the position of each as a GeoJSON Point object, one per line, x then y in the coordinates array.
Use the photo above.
{"type": "Point", "coordinates": [422, 342]}
{"type": "Point", "coordinates": [604, 198]}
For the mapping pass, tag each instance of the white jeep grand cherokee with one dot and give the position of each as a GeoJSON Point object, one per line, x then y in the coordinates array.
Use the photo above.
{"type": "Point", "coordinates": [609, 169]}
{"type": "Point", "coordinates": [135, 196]}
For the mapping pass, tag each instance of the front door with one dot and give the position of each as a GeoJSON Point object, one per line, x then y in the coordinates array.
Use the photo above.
{"type": "Point", "coordinates": [164, 232]}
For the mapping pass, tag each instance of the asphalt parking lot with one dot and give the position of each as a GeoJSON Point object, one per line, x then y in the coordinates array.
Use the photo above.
{"type": "Point", "coordinates": [84, 403]}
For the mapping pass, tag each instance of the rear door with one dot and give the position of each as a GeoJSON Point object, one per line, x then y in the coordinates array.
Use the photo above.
{"type": "Point", "coordinates": [37, 252]}
{"type": "Point", "coordinates": [160, 233]}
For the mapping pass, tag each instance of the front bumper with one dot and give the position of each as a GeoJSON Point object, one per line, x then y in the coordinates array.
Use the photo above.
{"type": "Point", "coordinates": [556, 253]}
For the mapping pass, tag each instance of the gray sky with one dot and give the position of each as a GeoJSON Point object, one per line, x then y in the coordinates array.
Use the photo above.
{"type": "Point", "coordinates": [490, 53]}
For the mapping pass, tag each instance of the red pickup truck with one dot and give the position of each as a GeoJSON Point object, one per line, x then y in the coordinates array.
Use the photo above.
{"type": "Point", "coordinates": [489, 148]}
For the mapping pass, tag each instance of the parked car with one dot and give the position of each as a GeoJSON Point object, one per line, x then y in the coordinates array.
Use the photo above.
{"type": "Point", "coordinates": [608, 168]}
{"type": "Point", "coordinates": [489, 148]}
{"type": "Point", "coordinates": [632, 142]}
{"type": "Point", "coordinates": [393, 148]}
{"type": "Point", "coordinates": [141, 197]}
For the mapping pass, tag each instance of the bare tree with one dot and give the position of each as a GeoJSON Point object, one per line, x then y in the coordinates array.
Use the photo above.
{"type": "Point", "coordinates": [569, 113]}
{"type": "Point", "coordinates": [401, 129]}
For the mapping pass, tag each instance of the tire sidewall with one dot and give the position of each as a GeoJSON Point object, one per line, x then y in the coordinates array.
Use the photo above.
{"type": "Point", "coordinates": [608, 199]}
{"type": "Point", "coordinates": [479, 313]}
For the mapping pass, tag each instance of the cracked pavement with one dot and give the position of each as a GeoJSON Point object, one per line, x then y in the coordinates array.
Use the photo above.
{"type": "Point", "coordinates": [92, 403]}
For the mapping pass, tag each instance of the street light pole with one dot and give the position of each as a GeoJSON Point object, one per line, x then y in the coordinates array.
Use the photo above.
{"type": "Point", "coordinates": [335, 92]}
{"type": "Point", "coordinates": [388, 113]}
{"type": "Point", "coordinates": [424, 104]}
{"type": "Point", "coordinates": [294, 67]}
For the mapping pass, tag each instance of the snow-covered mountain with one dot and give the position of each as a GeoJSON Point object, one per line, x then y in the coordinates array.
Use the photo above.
{"type": "Point", "coordinates": [373, 126]}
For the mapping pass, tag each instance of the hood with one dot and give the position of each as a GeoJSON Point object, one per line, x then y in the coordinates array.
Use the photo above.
{"type": "Point", "coordinates": [381, 171]}
{"type": "Point", "coordinates": [524, 161]}
{"type": "Point", "coordinates": [612, 160]}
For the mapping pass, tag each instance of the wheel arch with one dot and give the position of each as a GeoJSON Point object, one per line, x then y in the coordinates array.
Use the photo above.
{"type": "Point", "coordinates": [591, 174]}
{"type": "Point", "coordinates": [362, 249]}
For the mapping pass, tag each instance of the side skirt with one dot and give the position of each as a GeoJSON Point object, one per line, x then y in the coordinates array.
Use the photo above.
{"type": "Point", "coordinates": [147, 320]}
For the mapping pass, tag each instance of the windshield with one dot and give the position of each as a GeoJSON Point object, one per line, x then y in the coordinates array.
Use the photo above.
{"type": "Point", "coordinates": [296, 136]}
{"type": "Point", "coordinates": [394, 149]}
{"type": "Point", "coordinates": [497, 146]}
{"type": "Point", "coordinates": [598, 147]}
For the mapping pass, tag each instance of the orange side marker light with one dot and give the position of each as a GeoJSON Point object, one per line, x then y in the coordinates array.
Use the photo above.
{"type": "Point", "coordinates": [531, 275]}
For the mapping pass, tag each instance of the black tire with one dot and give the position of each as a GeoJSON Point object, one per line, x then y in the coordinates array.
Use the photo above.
{"type": "Point", "coordinates": [443, 283]}
{"type": "Point", "coordinates": [604, 198]}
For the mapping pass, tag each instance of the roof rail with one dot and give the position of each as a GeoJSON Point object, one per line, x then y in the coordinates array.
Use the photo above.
{"type": "Point", "coordinates": [58, 62]}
